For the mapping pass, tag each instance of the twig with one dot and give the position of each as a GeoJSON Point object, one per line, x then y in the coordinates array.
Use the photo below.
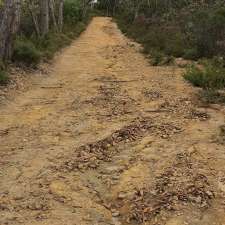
{"type": "Point", "coordinates": [118, 81]}
{"type": "Point", "coordinates": [156, 110]}
{"type": "Point", "coordinates": [51, 87]}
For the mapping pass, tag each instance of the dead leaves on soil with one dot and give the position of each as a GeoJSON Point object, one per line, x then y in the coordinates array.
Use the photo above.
{"type": "Point", "coordinates": [113, 100]}
{"type": "Point", "coordinates": [221, 138]}
{"type": "Point", "coordinates": [90, 155]}
{"type": "Point", "coordinates": [176, 187]}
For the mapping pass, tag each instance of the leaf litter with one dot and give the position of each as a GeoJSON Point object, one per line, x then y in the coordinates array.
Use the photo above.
{"type": "Point", "coordinates": [177, 186]}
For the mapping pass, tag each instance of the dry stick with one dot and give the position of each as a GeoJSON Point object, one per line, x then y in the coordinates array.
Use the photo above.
{"type": "Point", "coordinates": [157, 110]}
{"type": "Point", "coordinates": [118, 81]}
{"type": "Point", "coordinates": [51, 87]}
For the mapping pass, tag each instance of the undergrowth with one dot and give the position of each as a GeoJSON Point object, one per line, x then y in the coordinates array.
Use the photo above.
{"type": "Point", "coordinates": [160, 43]}
{"type": "Point", "coordinates": [26, 52]}
{"type": "Point", "coordinates": [212, 96]}
{"type": "Point", "coordinates": [190, 34]}
{"type": "Point", "coordinates": [3, 78]}
{"type": "Point", "coordinates": [210, 75]}
{"type": "Point", "coordinates": [31, 50]}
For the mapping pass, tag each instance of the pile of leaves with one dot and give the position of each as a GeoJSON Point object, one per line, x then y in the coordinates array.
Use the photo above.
{"type": "Point", "coordinates": [90, 155]}
{"type": "Point", "coordinates": [184, 107]}
{"type": "Point", "coordinates": [152, 94]}
{"type": "Point", "coordinates": [179, 185]}
{"type": "Point", "coordinates": [111, 100]}
{"type": "Point", "coordinates": [177, 105]}
{"type": "Point", "coordinates": [198, 114]}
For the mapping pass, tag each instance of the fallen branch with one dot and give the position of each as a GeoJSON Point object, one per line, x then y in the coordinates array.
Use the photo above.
{"type": "Point", "coordinates": [51, 87]}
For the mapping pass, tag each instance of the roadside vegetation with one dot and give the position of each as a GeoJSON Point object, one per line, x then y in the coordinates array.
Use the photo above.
{"type": "Point", "coordinates": [188, 29]}
{"type": "Point", "coordinates": [210, 76]}
{"type": "Point", "coordinates": [3, 77]}
{"type": "Point", "coordinates": [169, 29]}
{"type": "Point", "coordinates": [33, 31]}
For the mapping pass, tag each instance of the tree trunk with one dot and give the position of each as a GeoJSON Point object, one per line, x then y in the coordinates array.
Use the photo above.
{"type": "Point", "coordinates": [34, 18]}
{"type": "Point", "coordinates": [9, 25]}
{"type": "Point", "coordinates": [84, 9]}
{"type": "Point", "coordinates": [60, 16]}
{"type": "Point", "coordinates": [52, 9]}
{"type": "Point", "coordinates": [114, 7]}
{"type": "Point", "coordinates": [44, 16]}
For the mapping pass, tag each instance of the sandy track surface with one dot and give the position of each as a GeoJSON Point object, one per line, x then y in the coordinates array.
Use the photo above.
{"type": "Point", "coordinates": [107, 139]}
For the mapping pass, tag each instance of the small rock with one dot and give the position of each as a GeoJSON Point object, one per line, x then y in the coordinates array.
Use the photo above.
{"type": "Point", "coordinates": [164, 136]}
{"type": "Point", "coordinates": [122, 195]}
{"type": "Point", "coordinates": [115, 177]}
{"type": "Point", "coordinates": [115, 214]}
{"type": "Point", "coordinates": [209, 193]}
{"type": "Point", "coordinates": [80, 166]}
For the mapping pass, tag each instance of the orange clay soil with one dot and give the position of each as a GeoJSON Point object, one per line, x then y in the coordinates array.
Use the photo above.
{"type": "Point", "coordinates": [107, 139]}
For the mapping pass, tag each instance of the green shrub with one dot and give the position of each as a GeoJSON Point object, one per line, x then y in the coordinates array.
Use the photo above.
{"type": "Point", "coordinates": [3, 78]}
{"type": "Point", "coordinates": [218, 61]}
{"type": "Point", "coordinates": [212, 96]}
{"type": "Point", "coordinates": [156, 57]}
{"type": "Point", "coordinates": [78, 29]}
{"type": "Point", "coordinates": [191, 54]}
{"type": "Point", "coordinates": [26, 52]}
{"type": "Point", "coordinates": [166, 39]}
{"type": "Point", "coordinates": [211, 76]}
{"type": "Point", "coordinates": [207, 30]}
{"type": "Point", "coordinates": [72, 11]}
{"type": "Point", "coordinates": [55, 41]}
{"type": "Point", "coordinates": [194, 75]}
{"type": "Point", "coordinates": [189, 30]}
{"type": "Point", "coordinates": [174, 43]}
{"type": "Point", "coordinates": [168, 60]}
{"type": "Point", "coordinates": [51, 43]}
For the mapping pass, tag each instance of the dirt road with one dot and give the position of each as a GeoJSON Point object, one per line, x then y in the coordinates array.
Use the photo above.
{"type": "Point", "coordinates": [107, 139]}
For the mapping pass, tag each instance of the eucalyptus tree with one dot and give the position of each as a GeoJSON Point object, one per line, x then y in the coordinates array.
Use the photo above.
{"type": "Point", "coordinates": [10, 13]}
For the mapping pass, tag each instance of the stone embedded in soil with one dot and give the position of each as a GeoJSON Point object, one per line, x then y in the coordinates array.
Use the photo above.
{"type": "Point", "coordinates": [115, 214]}
{"type": "Point", "coordinates": [116, 177]}
{"type": "Point", "coordinates": [122, 195]}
